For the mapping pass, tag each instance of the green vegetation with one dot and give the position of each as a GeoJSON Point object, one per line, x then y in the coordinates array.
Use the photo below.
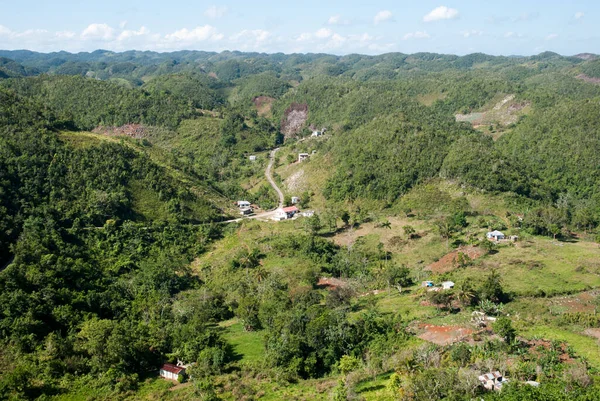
{"type": "Point", "coordinates": [118, 169]}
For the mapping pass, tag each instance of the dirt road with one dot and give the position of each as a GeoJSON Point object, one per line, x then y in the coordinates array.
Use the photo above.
{"type": "Point", "coordinates": [269, 175]}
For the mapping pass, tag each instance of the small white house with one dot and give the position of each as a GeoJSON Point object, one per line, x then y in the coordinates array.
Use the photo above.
{"type": "Point", "coordinates": [308, 213]}
{"type": "Point", "coordinates": [295, 200]}
{"type": "Point", "coordinates": [243, 204]}
{"type": "Point", "coordinates": [252, 158]}
{"type": "Point", "coordinates": [448, 285]}
{"type": "Point", "coordinates": [171, 372]}
{"type": "Point", "coordinates": [303, 156]}
{"type": "Point", "coordinates": [495, 235]}
{"type": "Point", "coordinates": [280, 215]}
{"type": "Point", "coordinates": [316, 133]}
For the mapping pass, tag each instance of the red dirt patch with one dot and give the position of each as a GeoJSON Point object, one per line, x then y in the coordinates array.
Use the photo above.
{"type": "Point", "coordinates": [582, 302]}
{"type": "Point", "coordinates": [443, 335]}
{"type": "Point", "coordinates": [294, 118]}
{"type": "Point", "coordinates": [136, 131]}
{"type": "Point", "coordinates": [263, 105]}
{"type": "Point", "coordinates": [588, 79]}
{"type": "Point", "coordinates": [448, 262]}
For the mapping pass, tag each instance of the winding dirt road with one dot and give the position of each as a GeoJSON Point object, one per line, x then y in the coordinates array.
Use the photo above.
{"type": "Point", "coordinates": [269, 175]}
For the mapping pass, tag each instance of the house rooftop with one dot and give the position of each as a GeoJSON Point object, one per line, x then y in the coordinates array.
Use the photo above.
{"type": "Point", "coordinates": [168, 367]}
{"type": "Point", "coordinates": [290, 209]}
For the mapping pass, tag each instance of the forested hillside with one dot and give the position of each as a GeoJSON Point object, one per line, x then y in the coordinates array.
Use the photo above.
{"type": "Point", "coordinates": [119, 250]}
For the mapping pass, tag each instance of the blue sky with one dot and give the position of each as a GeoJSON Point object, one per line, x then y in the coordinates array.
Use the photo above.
{"type": "Point", "coordinates": [340, 27]}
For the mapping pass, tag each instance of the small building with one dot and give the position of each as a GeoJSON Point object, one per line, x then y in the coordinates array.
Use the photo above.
{"type": "Point", "coordinates": [280, 215]}
{"type": "Point", "coordinates": [495, 235]}
{"type": "Point", "coordinates": [243, 204]}
{"type": "Point", "coordinates": [303, 156]}
{"type": "Point", "coordinates": [448, 285]}
{"type": "Point", "coordinates": [308, 213]}
{"type": "Point", "coordinates": [252, 158]}
{"type": "Point", "coordinates": [171, 372]}
{"type": "Point", "coordinates": [427, 284]}
{"type": "Point", "coordinates": [295, 200]}
{"type": "Point", "coordinates": [290, 211]}
{"type": "Point", "coordinates": [493, 381]}
{"type": "Point", "coordinates": [246, 211]}
{"type": "Point", "coordinates": [316, 133]}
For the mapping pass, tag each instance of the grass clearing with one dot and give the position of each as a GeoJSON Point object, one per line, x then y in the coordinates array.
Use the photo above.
{"type": "Point", "coordinates": [248, 345]}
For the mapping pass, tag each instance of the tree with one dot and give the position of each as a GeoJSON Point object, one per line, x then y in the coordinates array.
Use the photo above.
{"type": "Point", "coordinates": [347, 364]}
{"type": "Point", "coordinates": [445, 229]}
{"type": "Point", "coordinates": [397, 275]}
{"type": "Point", "coordinates": [466, 294]}
{"type": "Point", "coordinates": [247, 312]}
{"type": "Point", "coordinates": [442, 297]}
{"type": "Point", "coordinates": [503, 327]}
{"type": "Point", "coordinates": [491, 289]}
{"type": "Point", "coordinates": [312, 224]}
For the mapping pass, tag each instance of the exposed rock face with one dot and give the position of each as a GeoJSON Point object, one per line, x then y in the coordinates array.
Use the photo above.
{"type": "Point", "coordinates": [294, 118]}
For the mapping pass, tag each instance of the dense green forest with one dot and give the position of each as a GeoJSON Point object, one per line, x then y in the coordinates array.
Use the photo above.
{"type": "Point", "coordinates": [117, 171]}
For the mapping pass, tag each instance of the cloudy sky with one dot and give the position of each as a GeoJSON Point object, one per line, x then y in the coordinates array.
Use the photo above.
{"type": "Point", "coordinates": [505, 27]}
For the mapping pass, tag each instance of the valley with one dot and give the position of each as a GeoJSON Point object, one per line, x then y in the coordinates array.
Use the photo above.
{"type": "Point", "coordinates": [453, 227]}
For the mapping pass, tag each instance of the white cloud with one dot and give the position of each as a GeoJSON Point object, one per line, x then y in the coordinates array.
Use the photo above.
{"type": "Point", "coordinates": [416, 35]}
{"type": "Point", "coordinates": [513, 35]}
{"type": "Point", "coordinates": [383, 16]}
{"type": "Point", "coordinates": [323, 33]}
{"type": "Point", "coordinates": [552, 36]}
{"type": "Point", "coordinates": [338, 20]}
{"type": "Point", "coordinates": [98, 32]}
{"type": "Point", "coordinates": [441, 13]}
{"type": "Point", "coordinates": [214, 12]}
{"type": "Point", "coordinates": [4, 31]}
{"type": "Point", "coordinates": [526, 17]}
{"type": "Point", "coordinates": [251, 39]}
{"type": "Point", "coordinates": [128, 34]}
{"type": "Point", "coordinates": [304, 37]}
{"type": "Point", "coordinates": [65, 35]}
{"type": "Point", "coordinates": [472, 32]}
{"type": "Point", "coordinates": [198, 34]}
{"type": "Point", "coordinates": [123, 24]}
{"type": "Point", "coordinates": [579, 15]}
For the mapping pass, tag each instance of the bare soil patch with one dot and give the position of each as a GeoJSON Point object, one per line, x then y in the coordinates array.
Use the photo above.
{"type": "Point", "coordinates": [443, 335]}
{"type": "Point", "coordinates": [592, 333]}
{"type": "Point", "coordinates": [582, 302]}
{"type": "Point", "coordinates": [448, 262]}
{"type": "Point", "coordinates": [331, 283]}
{"type": "Point", "coordinates": [588, 79]}
{"type": "Point", "coordinates": [137, 131]}
{"type": "Point", "coordinates": [294, 118]}
{"type": "Point", "coordinates": [263, 105]}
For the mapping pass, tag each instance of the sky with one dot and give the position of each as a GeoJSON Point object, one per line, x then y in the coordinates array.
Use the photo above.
{"type": "Point", "coordinates": [508, 27]}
